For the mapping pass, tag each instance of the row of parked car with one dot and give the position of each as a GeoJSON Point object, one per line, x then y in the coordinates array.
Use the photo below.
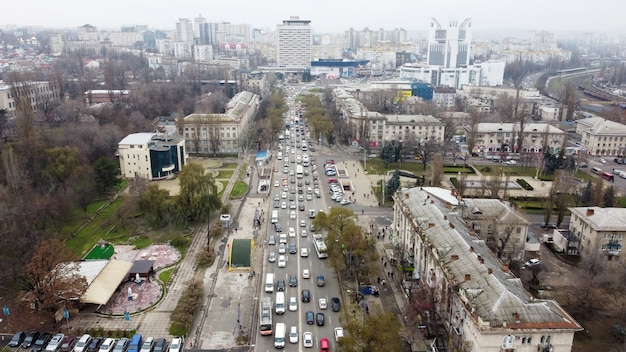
{"type": "Point", "coordinates": [46, 342]}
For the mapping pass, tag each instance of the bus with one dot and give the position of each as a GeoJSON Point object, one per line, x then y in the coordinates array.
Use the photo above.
{"type": "Point", "coordinates": [608, 176]}
{"type": "Point", "coordinates": [299, 171]}
{"type": "Point", "coordinates": [266, 316]}
{"type": "Point", "coordinates": [320, 246]}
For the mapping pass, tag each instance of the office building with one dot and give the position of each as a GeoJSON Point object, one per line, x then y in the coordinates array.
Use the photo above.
{"type": "Point", "coordinates": [152, 156]}
{"type": "Point", "coordinates": [449, 46]}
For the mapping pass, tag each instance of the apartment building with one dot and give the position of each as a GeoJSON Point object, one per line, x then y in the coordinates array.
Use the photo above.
{"type": "Point", "coordinates": [481, 303]}
{"type": "Point", "coordinates": [600, 231]}
{"type": "Point", "coordinates": [152, 156]}
{"type": "Point", "coordinates": [493, 138]}
{"type": "Point", "coordinates": [227, 133]}
{"type": "Point", "coordinates": [602, 137]}
{"type": "Point", "coordinates": [41, 94]}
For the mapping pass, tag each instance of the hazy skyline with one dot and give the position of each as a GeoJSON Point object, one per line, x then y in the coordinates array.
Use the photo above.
{"type": "Point", "coordinates": [325, 15]}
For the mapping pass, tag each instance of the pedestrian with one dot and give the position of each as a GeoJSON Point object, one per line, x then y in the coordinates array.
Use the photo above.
{"type": "Point", "coordinates": [383, 237]}
{"type": "Point", "coordinates": [378, 237]}
{"type": "Point", "coordinates": [379, 279]}
{"type": "Point", "coordinates": [355, 174]}
{"type": "Point", "coordinates": [190, 343]}
{"type": "Point", "coordinates": [385, 264]}
{"type": "Point", "coordinates": [392, 274]}
{"type": "Point", "coordinates": [235, 230]}
{"type": "Point", "coordinates": [382, 259]}
{"type": "Point", "coordinates": [362, 211]}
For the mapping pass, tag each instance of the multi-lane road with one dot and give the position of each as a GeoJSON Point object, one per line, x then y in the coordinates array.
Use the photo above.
{"type": "Point", "coordinates": [295, 263]}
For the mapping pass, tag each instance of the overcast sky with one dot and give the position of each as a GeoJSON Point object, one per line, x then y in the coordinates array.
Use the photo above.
{"type": "Point", "coordinates": [326, 15]}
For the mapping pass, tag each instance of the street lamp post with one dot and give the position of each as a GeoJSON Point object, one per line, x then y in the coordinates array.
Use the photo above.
{"type": "Point", "coordinates": [364, 158]}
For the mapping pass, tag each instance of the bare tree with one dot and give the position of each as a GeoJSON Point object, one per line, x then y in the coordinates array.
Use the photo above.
{"type": "Point", "coordinates": [436, 171]}
{"type": "Point", "coordinates": [427, 150]}
{"type": "Point", "coordinates": [472, 129]}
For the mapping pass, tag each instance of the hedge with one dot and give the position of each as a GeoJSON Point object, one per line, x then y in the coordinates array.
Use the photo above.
{"type": "Point", "coordinates": [524, 184]}
{"type": "Point", "coordinates": [455, 182]}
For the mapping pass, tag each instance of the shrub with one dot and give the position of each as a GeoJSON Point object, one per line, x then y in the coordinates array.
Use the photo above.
{"type": "Point", "coordinates": [524, 184]}
{"type": "Point", "coordinates": [205, 258]}
{"type": "Point", "coordinates": [486, 169]}
{"type": "Point", "coordinates": [183, 315]}
{"type": "Point", "coordinates": [454, 182]}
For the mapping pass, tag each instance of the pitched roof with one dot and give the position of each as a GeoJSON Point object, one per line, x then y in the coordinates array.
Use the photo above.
{"type": "Point", "coordinates": [602, 219]}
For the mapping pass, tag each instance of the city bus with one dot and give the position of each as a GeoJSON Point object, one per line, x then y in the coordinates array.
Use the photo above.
{"type": "Point", "coordinates": [608, 176]}
{"type": "Point", "coordinates": [320, 246]}
{"type": "Point", "coordinates": [266, 316]}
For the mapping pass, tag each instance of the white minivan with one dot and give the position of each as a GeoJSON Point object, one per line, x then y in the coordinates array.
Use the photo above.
{"type": "Point", "coordinates": [269, 282]}
{"type": "Point", "coordinates": [280, 302]}
{"type": "Point", "coordinates": [279, 335]}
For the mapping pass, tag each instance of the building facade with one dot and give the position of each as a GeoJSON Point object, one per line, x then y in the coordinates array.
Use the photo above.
{"type": "Point", "coordinates": [227, 133]}
{"type": "Point", "coordinates": [294, 43]}
{"type": "Point", "coordinates": [40, 94]}
{"type": "Point", "coordinates": [450, 46]}
{"type": "Point", "coordinates": [602, 137]}
{"type": "Point", "coordinates": [152, 156]}
{"type": "Point", "coordinates": [600, 231]}
{"type": "Point", "coordinates": [482, 304]}
{"type": "Point", "coordinates": [491, 138]}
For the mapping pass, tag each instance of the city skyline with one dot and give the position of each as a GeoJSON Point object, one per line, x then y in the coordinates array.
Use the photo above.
{"type": "Point", "coordinates": [326, 16]}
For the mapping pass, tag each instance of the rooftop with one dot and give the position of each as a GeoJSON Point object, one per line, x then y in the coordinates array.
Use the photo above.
{"type": "Point", "coordinates": [491, 292]}
{"type": "Point", "coordinates": [602, 219]}
{"type": "Point", "coordinates": [598, 125]}
{"type": "Point", "coordinates": [489, 127]}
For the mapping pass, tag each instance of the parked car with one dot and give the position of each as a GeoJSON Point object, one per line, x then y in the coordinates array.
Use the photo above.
{"type": "Point", "coordinates": [82, 343]}
{"type": "Point", "coordinates": [511, 162]}
{"type": "Point", "coordinates": [41, 342]}
{"type": "Point", "coordinates": [55, 343]}
{"type": "Point", "coordinates": [148, 345]}
{"type": "Point", "coordinates": [30, 339]}
{"type": "Point", "coordinates": [121, 345]}
{"type": "Point", "coordinates": [17, 339]}
{"type": "Point", "coordinates": [177, 344]}
{"type": "Point", "coordinates": [160, 345]}
{"type": "Point", "coordinates": [95, 343]}
{"type": "Point", "coordinates": [532, 262]}
{"type": "Point", "coordinates": [68, 344]}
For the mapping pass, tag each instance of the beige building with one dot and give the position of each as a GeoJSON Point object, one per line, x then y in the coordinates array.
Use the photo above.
{"type": "Point", "coordinates": [376, 129]}
{"type": "Point", "coordinates": [227, 133]}
{"type": "Point", "coordinates": [153, 156]}
{"type": "Point", "coordinates": [41, 95]}
{"type": "Point", "coordinates": [494, 138]}
{"type": "Point", "coordinates": [600, 230]}
{"type": "Point", "coordinates": [481, 303]}
{"type": "Point", "coordinates": [602, 137]}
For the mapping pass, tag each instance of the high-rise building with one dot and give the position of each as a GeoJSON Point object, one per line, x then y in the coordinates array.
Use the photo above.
{"type": "Point", "coordinates": [184, 30]}
{"type": "Point", "coordinates": [294, 43]}
{"type": "Point", "coordinates": [198, 24]}
{"type": "Point", "coordinates": [450, 46]}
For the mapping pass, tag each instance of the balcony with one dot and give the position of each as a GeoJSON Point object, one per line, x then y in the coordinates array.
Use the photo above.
{"type": "Point", "coordinates": [545, 347]}
{"type": "Point", "coordinates": [612, 248]}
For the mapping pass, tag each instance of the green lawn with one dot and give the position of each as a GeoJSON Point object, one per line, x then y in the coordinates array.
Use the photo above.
{"type": "Point", "coordinates": [225, 174]}
{"type": "Point", "coordinates": [239, 189]}
{"type": "Point", "coordinates": [224, 184]}
{"type": "Point", "coordinates": [141, 242]}
{"type": "Point", "coordinates": [229, 166]}
{"type": "Point", "coordinates": [377, 165]}
{"type": "Point", "coordinates": [166, 275]}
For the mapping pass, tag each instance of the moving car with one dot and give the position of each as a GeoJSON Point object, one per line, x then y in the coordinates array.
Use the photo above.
{"type": "Point", "coordinates": [319, 319]}
{"type": "Point", "coordinates": [323, 304]}
{"type": "Point", "coordinates": [292, 232]}
{"type": "Point", "coordinates": [282, 248]}
{"type": "Point", "coordinates": [338, 333]}
{"type": "Point", "coordinates": [293, 334]}
{"type": "Point", "coordinates": [306, 296]}
{"type": "Point", "coordinates": [335, 304]}
{"type": "Point", "coordinates": [293, 281]}
{"type": "Point", "coordinates": [282, 261]}
{"type": "Point", "coordinates": [293, 304]}
{"type": "Point", "coordinates": [280, 285]}
{"type": "Point", "coordinates": [307, 339]}
{"type": "Point", "coordinates": [293, 249]}
{"type": "Point", "coordinates": [304, 252]}
{"type": "Point", "coordinates": [271, 240]}
{"type": "Point", "coordinates": [310, 317]}
{"type": "Point", "coordinates": [271, 257]}
{"type": "Point", "coordinates": [306, 274]}
{"type": "Point", "coordinates": [320, 280]}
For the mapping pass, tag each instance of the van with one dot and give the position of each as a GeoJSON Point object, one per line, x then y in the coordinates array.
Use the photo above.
{"type": "Point", "coordinates": [596, 170]}
{"type": "Point", "coordinates": [324, 345]}
{"type": "Point", "coordinates": [279, 335]}
{"type": "Point", "coordinates": [280, 303]}
{"type": "Point", "coordinates": [135, 343]}
{"type": "Point", "coordinates": [274, 216]}
{"type": "Point", "coordinates": [269, 283]}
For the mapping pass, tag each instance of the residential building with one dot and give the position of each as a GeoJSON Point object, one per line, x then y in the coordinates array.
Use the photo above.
{"type": "Point", "coordinates": [152, 156]}
{"type": "Point", "coordinates": [226, 133]}
{"type": "Point", "coordinates": [203, 52]}
{"type": "Point", "coordinates": [184, 31]}
{"type": "Point", "coordinates": [480, 302]}
{"type": "Point", "coordinates": [602, 137]}
{"type": "Point", "coordinates": [450, 46]}
{"type": "Point", "coordinates": [183, 50]}
{"type": "Point", "coordinates": [294, 43]}
{"type": "Point", "coordinates": [444, 97]}
{"type": "Point", "coordinates": [57, 44]}
{"type": "Point", "coordinates": [493, 138]}
{"type": "Point", "coordinates": [41, 95]}
{"type": "Point", "coordinates": [600, 230]}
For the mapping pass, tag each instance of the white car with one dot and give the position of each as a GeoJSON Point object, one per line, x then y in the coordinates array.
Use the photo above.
{"type": "Point", "coordinates": [532, 262]}
{"type": "Point", "coordinates": [292, 232]}
{"type": "Point", "coordinates": [106, 346]}
{"type": "Point", "coordinates": [282, 261]}
{"type": "Point", "coordinates": [302, 223]}
{"type": "Point", "coordinates": [344, 201]}
{"type": "Point", "coordinates": [176, 345]}
{"type": "Point", "coordinates": [284, 196]}
{"type": "Point", "coordinates": [323, 303]}
{"type": "Point", "coordinates": [602, 161]}
{"type": "Point", "coordinates": [307, 339]}
{"type": "Point", "coordinates": [276, 184]}
{"type": "Point", "coordinates": [293, 304]}
{"type": "Point", "coordinates": [292, 215]}
{"type": "Point", "coordinates": [338, 333]}
{"type": "Point", "coordinates": [283, 205]}
{"type": "Point", "coordinates": [306, 274]}
{"type": "Point", "coordinates": [293, 334]}
{"type": "Point", "coordinates": [57, 339]}
{"type": "Point", "coordinates": [271, 257]}
{"type": "Point", "coordinates": [304, 252]}
{"type": "Point", "coordinates": [511, 162]}
{"type": "Point", "coordinates": [282, 248]}
{"type": "Point", "coordinates": [303, 233]}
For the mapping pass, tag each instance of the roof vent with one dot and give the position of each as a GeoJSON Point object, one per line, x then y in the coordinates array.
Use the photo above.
{"type": "Point", "coordinates": [590, 211]}
{"type": "Point", "coordinates": [468, 277]}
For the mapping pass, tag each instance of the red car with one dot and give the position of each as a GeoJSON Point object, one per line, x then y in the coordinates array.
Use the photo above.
{"type": "Point", "coordinates": [332, 180]}
{"type": "Point", "coordinates": [68, 344]}
{"type": "Point", "coordinates": [330, 161]}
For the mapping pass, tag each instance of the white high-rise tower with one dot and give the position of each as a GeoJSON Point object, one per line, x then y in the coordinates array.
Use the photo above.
{"type": "Point", "coordinates": [294, 43]}
{"type": "Point", "coordinates": [450, 46]}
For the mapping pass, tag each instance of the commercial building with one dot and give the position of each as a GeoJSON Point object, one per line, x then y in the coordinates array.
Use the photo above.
{"type": "Point", "coordinates": [481, 303]}
{"type": "Point", "coordinates": [600, 230]}
{"type": "Point", "coordinates": [602, 137]}
{"type": "Point", "coordinates": [294, 43]}
{"type": "Point", "coordinates": [449, 46]}
{"type": "Point", "coordinates": [227, 133]}
{"type": "Point", "coordinates": [153, 156]}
